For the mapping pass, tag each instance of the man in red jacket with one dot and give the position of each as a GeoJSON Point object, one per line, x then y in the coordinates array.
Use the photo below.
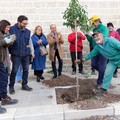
{"type": "Point", "coordinates": [72, 40]}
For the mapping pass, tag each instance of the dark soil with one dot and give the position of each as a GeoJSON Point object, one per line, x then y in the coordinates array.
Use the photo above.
{"type": "Point", "coordinates": [87, 98]}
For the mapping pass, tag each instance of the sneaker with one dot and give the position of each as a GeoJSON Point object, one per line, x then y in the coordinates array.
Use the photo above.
{"type": "Point", "coordinates": [73, 72]}
{"type": "Point", "coordinates": [8, 101]}
{"type": "Point", "coordinates": [11, 90]}
{"type": "Point", "coordinates": [82, 72]}
{"type": "Point", "coordinates": [27, 88]}
{"type": "Point", "coordinates": [2, 110]}
{"type": "Point", "coordinates": [115, 75]}
{"type": "Point", "coordinates": [38, 79]}
{"type": "Point", "coordinates": [41, 77]}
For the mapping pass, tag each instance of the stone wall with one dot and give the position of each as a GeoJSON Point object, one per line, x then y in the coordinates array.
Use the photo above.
{"type": "Point", "coordinates": [46, 12]}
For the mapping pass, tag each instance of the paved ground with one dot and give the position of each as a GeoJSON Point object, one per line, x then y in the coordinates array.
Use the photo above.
{"type": "Point", "coordinates": [42, 95]}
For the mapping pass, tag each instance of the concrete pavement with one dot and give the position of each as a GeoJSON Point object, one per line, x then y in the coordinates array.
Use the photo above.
{"type": "Point", "coordinates": [40, 104]}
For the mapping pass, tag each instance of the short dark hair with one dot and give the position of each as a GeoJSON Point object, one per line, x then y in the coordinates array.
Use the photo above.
{"type": "Point", "coordinates": [110, 24]}
{"type": "Point", "coordinates": [21, 18]}
{"type": "Point", "coordinates": [3, 25]}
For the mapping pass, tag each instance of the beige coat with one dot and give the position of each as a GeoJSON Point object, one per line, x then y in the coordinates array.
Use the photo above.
{"type": "Point", "coordinates": [51, 40]}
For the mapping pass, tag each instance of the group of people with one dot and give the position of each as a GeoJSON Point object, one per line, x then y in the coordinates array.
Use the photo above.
{"type": "Point", "coordinates": [105, 53]}
{"type": "Point", "coordinates": [17, 45]}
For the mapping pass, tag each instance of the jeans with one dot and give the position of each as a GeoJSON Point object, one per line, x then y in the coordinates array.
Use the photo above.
{"type": "Point", "coordinates": [16, 61]}
{"type": "Point", "coordinates": [99, 63]}
{"type": "Point", "coordinates": [54, 64]}
{"type": "Point", "coordinates": [73, 58]}
{"type": "Point", "coordinates": [3, 81]}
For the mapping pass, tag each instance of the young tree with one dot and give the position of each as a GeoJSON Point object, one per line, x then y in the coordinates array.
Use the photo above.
{"type": "Point", "coordinates": [76, 12]}
{"type": "Point", "coordinates": [76, 16]}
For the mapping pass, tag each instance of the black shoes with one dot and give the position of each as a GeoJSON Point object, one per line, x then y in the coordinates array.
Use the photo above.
{"type": "Point", "coordinates": [41, 77]}
{"type": "Point", "coordinates": [38, 79]}
{"type": "Point", "coordinates": [11, 90]}
{"type": "Point", "coordinates": [2, 110]}
{"type": "Point", "coordinates": [27, 88]}
{"type": "Point", "coordinates": [54, 77]}
{"type": "Point", "coordinates": [8, 101]}
{"type": "Point", "coordinates": [115, 75]}
{"type": "Point", "coordinates": [82, 72]}
{"type": "Point", "coordinates": [100, 91]}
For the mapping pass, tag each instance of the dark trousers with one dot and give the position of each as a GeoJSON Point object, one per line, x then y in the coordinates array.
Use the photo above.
{"type": "Point", "coordinates": [116, 70]}
{"type": "Point", "coordinates": [73, 58]}
{"type": "Point", "coordinates": [54, 64]}
{"type": "Point", "coordinates": [3, 81]}
{"type": "Point", "coordinates": [99, 63]}
{"type": "Point", "coordinates": [16, 61]}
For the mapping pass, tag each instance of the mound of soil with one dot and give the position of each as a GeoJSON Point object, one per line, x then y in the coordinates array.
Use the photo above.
{"type": "Point", "coordinates": [87, 98]}
{"type": "Point", "coordinates": [100, 118]}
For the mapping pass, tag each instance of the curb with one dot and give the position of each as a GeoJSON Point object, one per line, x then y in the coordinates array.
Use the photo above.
{"type": "Point", "coordinates": [57, 112]}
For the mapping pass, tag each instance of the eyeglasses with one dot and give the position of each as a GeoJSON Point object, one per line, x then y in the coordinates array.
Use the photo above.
{"type": "Point", "coordinates": [24, 23]}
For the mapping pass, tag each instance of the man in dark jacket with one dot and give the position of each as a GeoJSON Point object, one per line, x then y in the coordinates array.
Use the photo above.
{"type": "Point", "coordinates": [20, 53]}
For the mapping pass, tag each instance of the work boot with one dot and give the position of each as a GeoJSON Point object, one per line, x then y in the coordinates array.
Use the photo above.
{"type": "Point", "coordinates": [8, 101]}
{"type": "Point", "coordinates": [11, 90]}
{"type": "Point", "coordinates": [2, 110]}
{"type": "Point", "coordinates": [27, 88]}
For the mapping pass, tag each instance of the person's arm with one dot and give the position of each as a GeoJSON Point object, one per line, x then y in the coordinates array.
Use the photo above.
{"type": "Point", "coordinates": [44, 40]}
{"type": "Point", "coordinates": [117, 36]}
{"type": "Point", "coordinates": [114, 43]}
{"type": "Point", "coordinates": [31, 46]}
{"type": "Point", "coordinates": [93, 53]}
{"type": "Point", "coordinates": [82, 36]}
{"type": "Point", "coordinates": [34, 41]}
{"type": "Point", "coordinates": [60, 38]}
{"type": "Point", "coordinates": [51, 40]}
{"type": "Point", "coordinates": [71, 38]}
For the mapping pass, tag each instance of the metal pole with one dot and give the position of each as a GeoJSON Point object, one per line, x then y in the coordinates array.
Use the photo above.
{"type": "Point", "coordinates": [77, 82]}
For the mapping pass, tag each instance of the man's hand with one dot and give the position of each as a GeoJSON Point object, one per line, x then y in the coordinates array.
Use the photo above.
{"type": "Point", "coordinates": [78, 61]}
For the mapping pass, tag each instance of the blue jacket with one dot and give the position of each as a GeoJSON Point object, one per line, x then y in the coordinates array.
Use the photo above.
{"type": "Point", "coordinates": [38, 61]}
{"type": "Point", "coordinates": [21, 45]}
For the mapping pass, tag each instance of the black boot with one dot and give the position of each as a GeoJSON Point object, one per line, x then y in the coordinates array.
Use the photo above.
{"type": "Point", "coordinates": [38, 79]}
{"type": "Point", "coordinates": [2, 110]}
